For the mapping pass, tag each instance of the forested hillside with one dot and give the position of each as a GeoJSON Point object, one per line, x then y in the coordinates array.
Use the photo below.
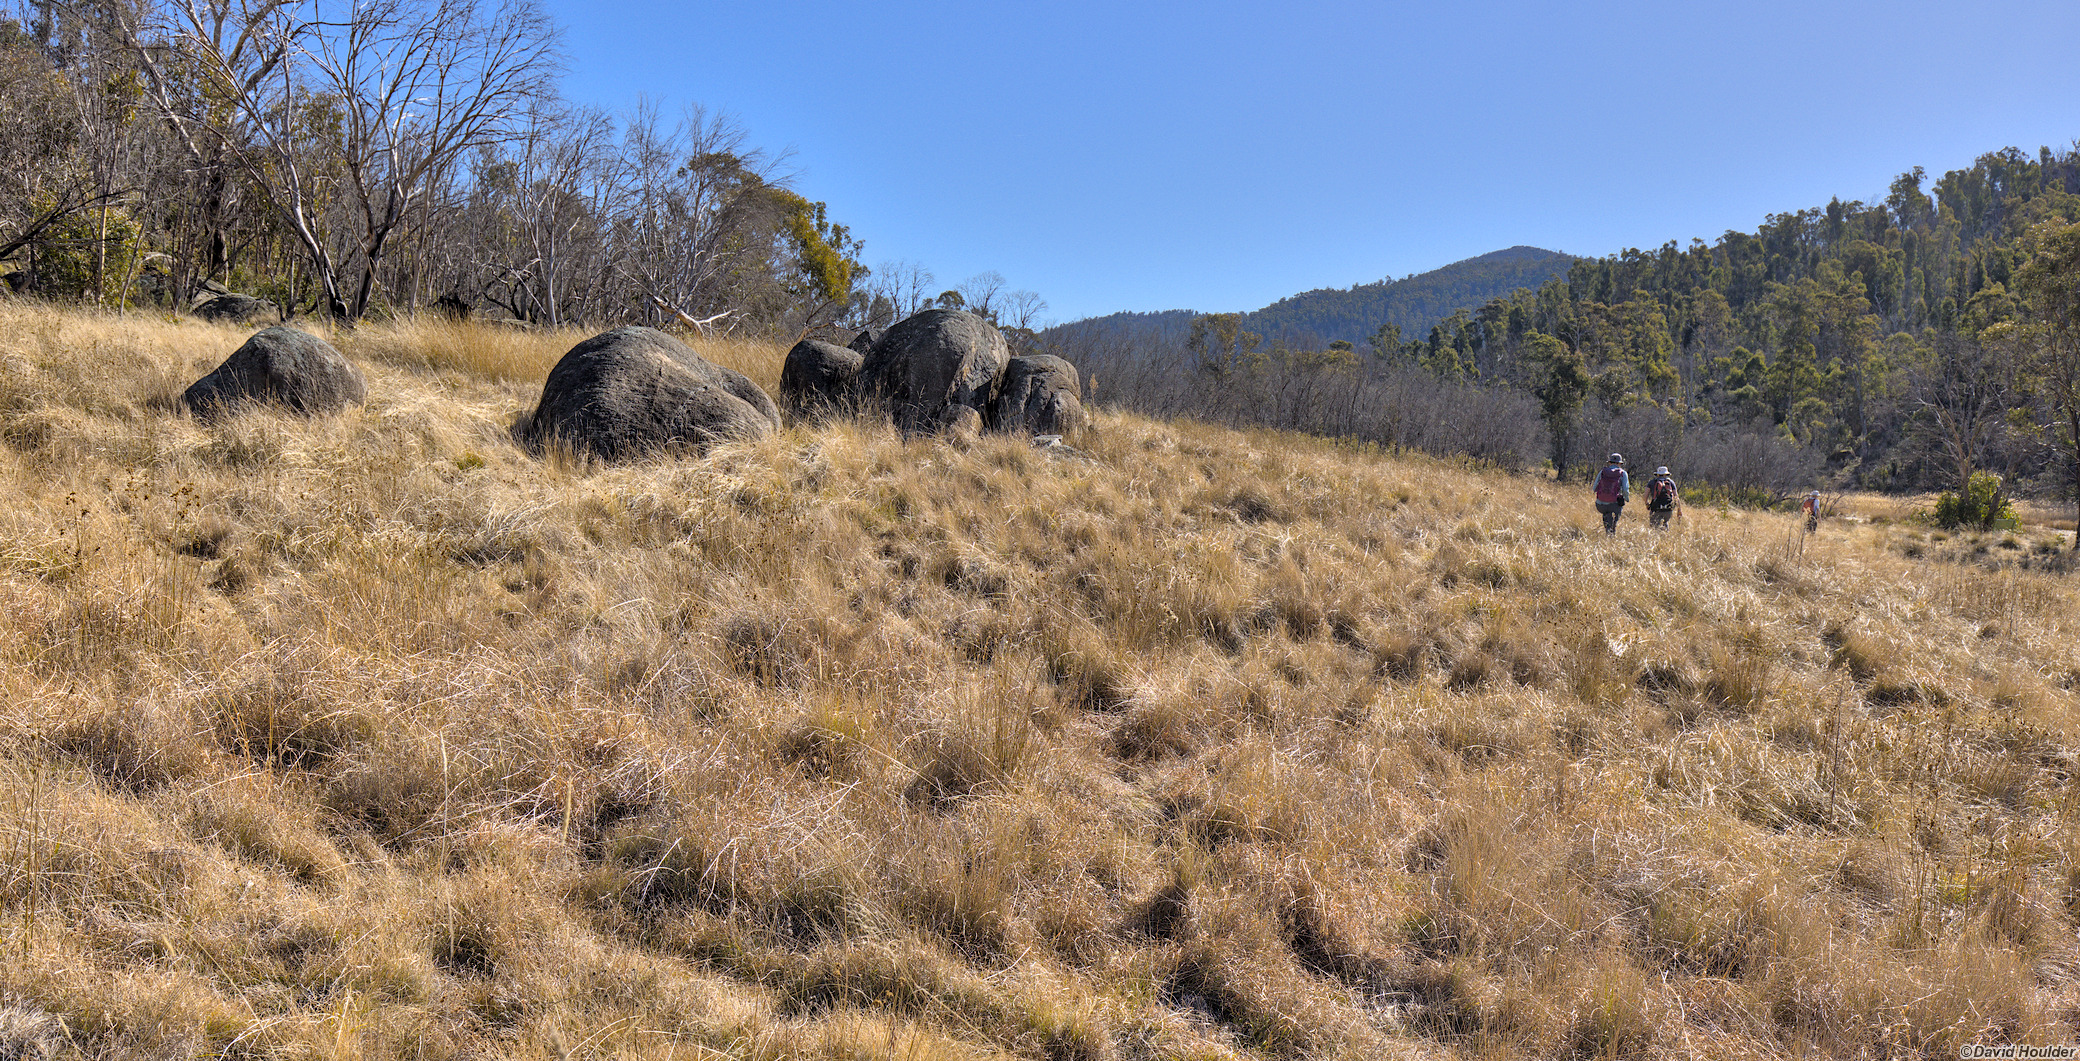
{"type": "Point", "coordinates": [1162, 327]}
{"type": "Point", "coordinates": [1898, 345]}
{"type": "Point", "coordinates": [1412, 303]}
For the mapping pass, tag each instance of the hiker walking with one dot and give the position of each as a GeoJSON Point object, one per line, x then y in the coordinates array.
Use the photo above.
{"type": "Point", "coordinates": [1613, 488]}
{"type": "Point", "coordinates": [1661, 499]}
{"type": "Point", "coordinates": [1811, 508]}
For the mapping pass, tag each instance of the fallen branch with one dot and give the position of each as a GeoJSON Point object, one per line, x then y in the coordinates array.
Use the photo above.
{"type": "Point", "coordinates": [703, 325]}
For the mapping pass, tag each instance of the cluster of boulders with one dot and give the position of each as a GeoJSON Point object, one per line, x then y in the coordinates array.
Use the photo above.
{"type": "Point", "coordinates": [940, 371]}
{"type": "Point", "coordinates": [633, 391]}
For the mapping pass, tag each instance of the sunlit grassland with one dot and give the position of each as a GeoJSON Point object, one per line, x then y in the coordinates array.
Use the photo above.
{"type": "Point", "coordinates": [374, 737]}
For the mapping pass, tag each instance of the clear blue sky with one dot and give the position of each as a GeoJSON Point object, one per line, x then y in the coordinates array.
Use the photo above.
{"type": "Point", "coordinates": [1219, 156]}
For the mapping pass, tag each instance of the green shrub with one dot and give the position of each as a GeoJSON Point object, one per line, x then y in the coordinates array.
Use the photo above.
{"type": "Point", "coordinates": [1981, 503]}
{"type": "Point", "coordinates": [63, 256]}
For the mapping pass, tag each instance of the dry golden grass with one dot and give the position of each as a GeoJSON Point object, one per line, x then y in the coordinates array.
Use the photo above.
{"type": "Point", "coordinates": [371, 737]}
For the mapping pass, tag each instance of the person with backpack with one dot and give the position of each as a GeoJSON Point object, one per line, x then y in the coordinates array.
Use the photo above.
{"type": "Point", "coordinates": [1811, 508]}
{"type": "Point", "coordinates": [1661, 499]}
{"type": "Point", "coordinates": [1613, 489]}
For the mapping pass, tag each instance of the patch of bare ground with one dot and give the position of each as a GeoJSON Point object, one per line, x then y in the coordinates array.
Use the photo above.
{"type": "Point", "coordinates": [373, 737]}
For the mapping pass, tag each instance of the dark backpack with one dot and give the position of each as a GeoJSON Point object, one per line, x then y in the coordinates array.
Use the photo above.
{"type": "Point", "coordinates": [1610, 486]}
{"type": "Point", "coordinates": [1661, 493]}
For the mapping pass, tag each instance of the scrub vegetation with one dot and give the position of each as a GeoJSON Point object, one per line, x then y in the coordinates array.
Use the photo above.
{"type": "Point", "coordinates": [373, 737]}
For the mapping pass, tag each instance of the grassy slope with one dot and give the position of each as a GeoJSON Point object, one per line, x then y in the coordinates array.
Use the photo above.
{"type": "Point", "coordinates": [373, 737]}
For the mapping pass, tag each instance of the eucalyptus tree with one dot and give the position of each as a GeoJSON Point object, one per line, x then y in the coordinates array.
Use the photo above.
{"type": "Point", "coordinates": [701, 217]}
{"type": "Point", "coordinates": [2051, 276]}
{"type": "Point", "coordinates": [52, 174]}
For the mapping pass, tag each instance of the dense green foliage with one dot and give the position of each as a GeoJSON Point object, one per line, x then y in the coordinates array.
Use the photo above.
{"type": "Point", "coordinates": [1898, 341]}
{"type": "Point", "coordinates": [1978, 505]}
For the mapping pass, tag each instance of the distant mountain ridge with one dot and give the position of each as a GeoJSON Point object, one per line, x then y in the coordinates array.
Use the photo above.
{"type": "Point", "coordinates": [1415, 303]}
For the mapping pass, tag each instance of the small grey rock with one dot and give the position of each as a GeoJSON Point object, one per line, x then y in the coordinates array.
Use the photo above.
{"type": "Point", "coordinates": [237, 309]}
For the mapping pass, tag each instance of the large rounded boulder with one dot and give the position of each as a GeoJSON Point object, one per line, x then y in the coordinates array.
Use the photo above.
{"type": "Point", "coordinates": [1038, 395]}
{"type": "Point", "coordinates": [634, 391]}
{"type": "Point", "coordinates": [928, 367]}
{"type": "Point", "coordinates": [281, 367]}
{"type": "Point", "coordinates": [818, 378]}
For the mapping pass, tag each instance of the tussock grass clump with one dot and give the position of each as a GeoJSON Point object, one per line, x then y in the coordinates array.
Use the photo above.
{"type": "Point", "coordinates": [30, 1035]}
{"type": "Point", "coordinates": [373, 736]}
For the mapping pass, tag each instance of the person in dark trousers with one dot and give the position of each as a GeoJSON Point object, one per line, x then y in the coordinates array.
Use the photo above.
{"type": "Point", "coordinates": [1661, 499]}
{"type": "Point", "coordinates": [1613, 489]}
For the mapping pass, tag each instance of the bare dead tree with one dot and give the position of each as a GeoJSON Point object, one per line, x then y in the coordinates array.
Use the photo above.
{"type": "Point", "coordinates": [981, 293]}
{"type": "Point", "coordinates": [906, 287]}
{"type": "Point", "coordinates": [376, 151]}
{"type": "Point", "coordinates": [1963, 394]}
{"type": "Point", "coordinates": [1021, 309]}
{"type": "Point", "coordinates": [50, 164]}
{"type": "Point", "coordinates": [419, 84]}
{"type": "Point", "coordinates": [541, 214]}
{"type": "Point", "coordinates": [231, 52]}
{"type": "Point", "coordinates": [404, 87]}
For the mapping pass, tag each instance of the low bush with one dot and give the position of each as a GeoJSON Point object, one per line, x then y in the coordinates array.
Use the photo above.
{"type": "Point", "coordinates": [1978, 506]}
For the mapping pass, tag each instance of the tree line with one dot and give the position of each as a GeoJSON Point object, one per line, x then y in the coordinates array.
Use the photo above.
{"type": "Point", "coordinates": [1899, 345]}
{"type": "Point", "coordinates": [387, 156]}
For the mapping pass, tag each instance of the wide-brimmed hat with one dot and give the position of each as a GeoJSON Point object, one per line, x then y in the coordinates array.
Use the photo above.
{"type": "Point", "coordinates": [1663, 470]}
{"type": "Point", "coordinates": [1617, 458]}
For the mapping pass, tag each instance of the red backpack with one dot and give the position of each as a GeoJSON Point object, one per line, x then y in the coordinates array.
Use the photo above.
{"type": "Point", "coordinates": [1610, 486]}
